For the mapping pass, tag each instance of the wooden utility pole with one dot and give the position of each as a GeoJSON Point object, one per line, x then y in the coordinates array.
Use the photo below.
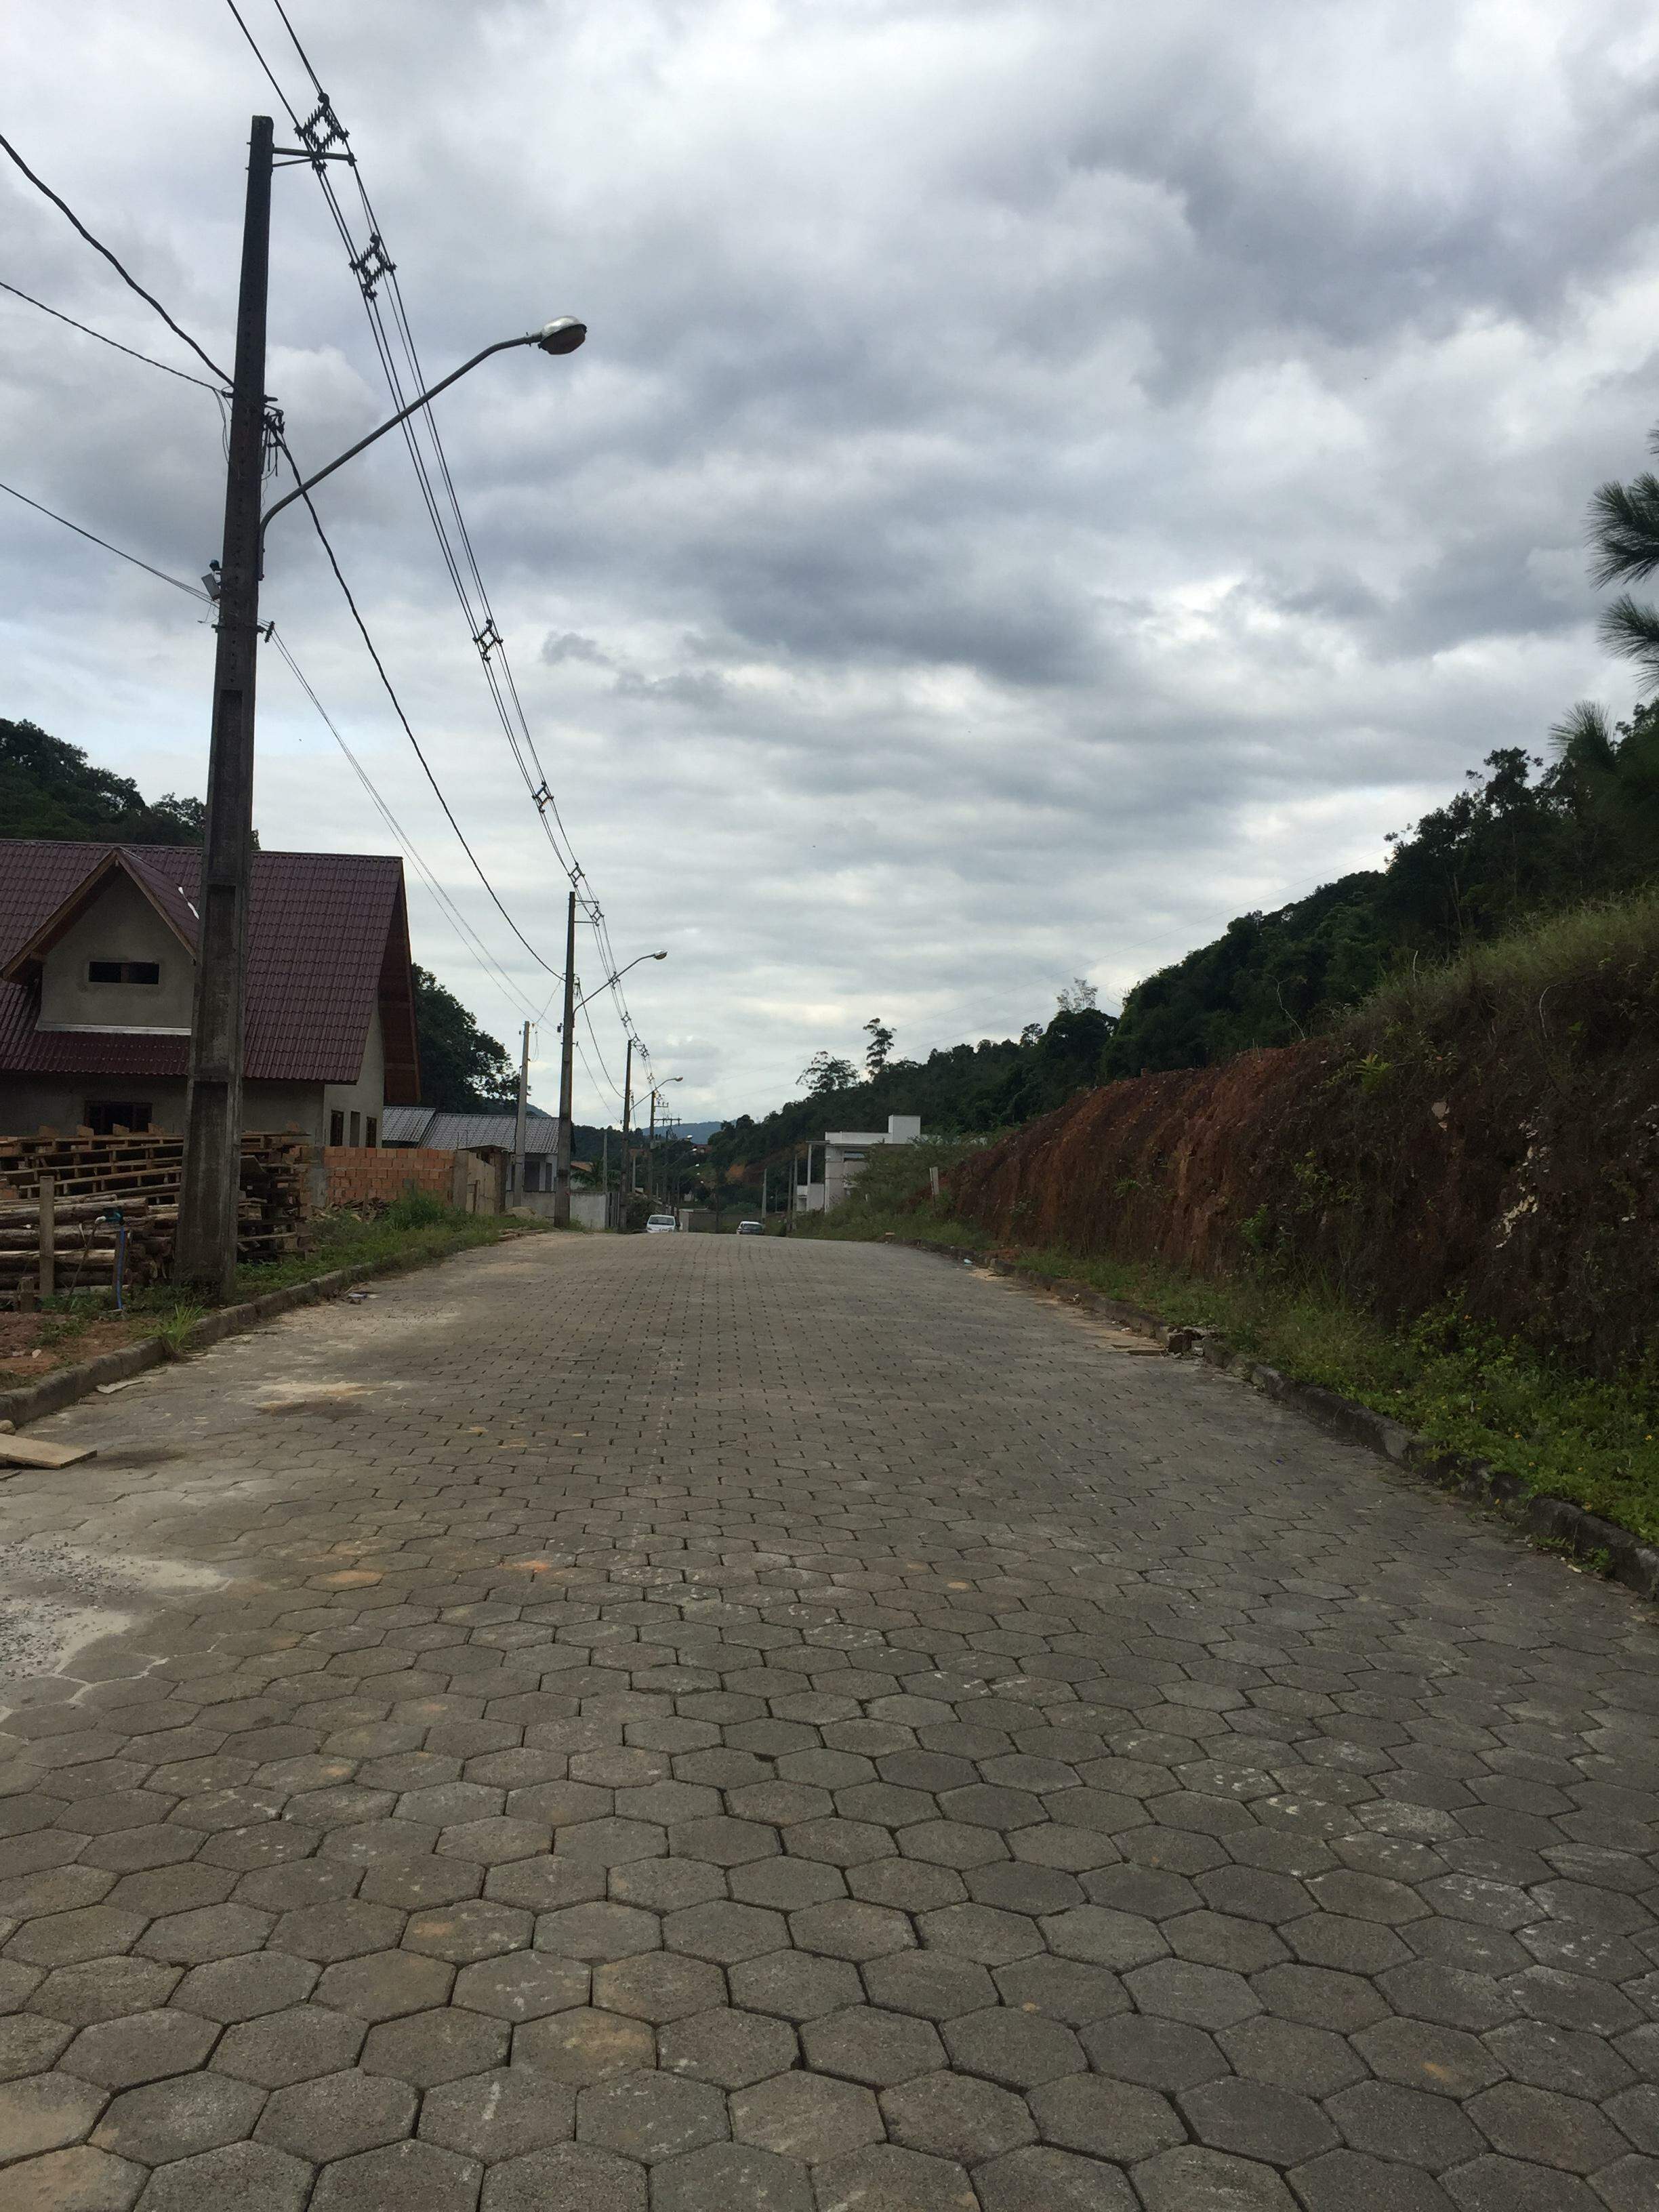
{"type": "Point", "coordinates": [567, 1047]}
{"type": "Point", "coordinates": [210, 1191]}
{"type": "Point", "coordinates": [625, 1172]}
{"type": "Point", "coordinates": [519, 1126]}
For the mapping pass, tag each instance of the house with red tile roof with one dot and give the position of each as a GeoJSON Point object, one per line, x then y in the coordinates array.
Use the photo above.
{"type": "Point", "coordinates": [97, 977]}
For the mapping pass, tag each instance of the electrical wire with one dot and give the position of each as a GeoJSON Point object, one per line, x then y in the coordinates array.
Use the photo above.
{"type": "Point", "coordinates": [470, 941]}
{"type": "Point", "coordinates": [97, 244]}
{"type": "Point", "coordinates": [177, 582]}
{"type": "Point", "coordinates": [398, 708]}
{"type": "Point", "coordinates": [17, 292]}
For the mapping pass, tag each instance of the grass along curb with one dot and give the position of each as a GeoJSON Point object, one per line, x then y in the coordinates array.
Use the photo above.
{"type": "Point", "coordinates": [1555, 1521]}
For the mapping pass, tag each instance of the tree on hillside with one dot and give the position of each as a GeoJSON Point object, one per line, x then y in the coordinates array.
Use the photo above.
{"type": "Point", "coordinates": [1624, 533]}
{"type": "Point", "coordinates": [1080, 997]}
{"type": "Point", "coordinates": [822, 1074]}
{"type": "Point", "coordinates": [463, 1069]}
{"type": "Point", "coordinates": [51, 789]}
{"type": "Point", "coordinates": [880, 1049]}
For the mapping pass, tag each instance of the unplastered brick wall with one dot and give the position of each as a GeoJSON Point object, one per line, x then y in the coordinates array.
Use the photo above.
{"type": "Point", "coordinates": [360, 1175]}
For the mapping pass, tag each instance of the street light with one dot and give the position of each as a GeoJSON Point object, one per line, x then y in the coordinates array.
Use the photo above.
{"type": "Point", "coordinates": [209, 1188]}
{"type": "Point", "coordinates": [617, 978]}
{"type": "Point", "coordinates": [563, 335]}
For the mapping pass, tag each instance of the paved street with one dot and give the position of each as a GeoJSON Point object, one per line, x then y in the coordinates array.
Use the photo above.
{"type": "Point", "coordinates": [722, 1726]}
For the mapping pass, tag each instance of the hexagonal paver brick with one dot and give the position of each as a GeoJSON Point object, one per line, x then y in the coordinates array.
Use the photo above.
{"type": "Point", "coordinates": [575, 2174]}
{"type": "Point", "coordinates": [610, 1843]}
{"type": "Point", "coordinates": [542, 1885]}
{"type": "Point", "coordinates": [1018, 2048]}
{"type": "Point", "coordinates": [346, 1929]}
{"type": "Point", "coordinates": [723, 2176]}
{"type": "Point", "coordinates": [243, 1988]}
{"type": "Point", "coordinates": [146, 2046]}
{"type": "Point", "coordinates": [386, 1985]}
{"type": "Point", "coordinates": [525, 1986]}
{"type": "Point", "coordinates": [1205, 1996]}
{"type": "Point", "coordinates": [1353, 2181]}
{"type": "Point", "coordinates": [887, 2174]}
{"type": "Point", "coordinates": [1389, 2122]}
{"type": "Point", "coordinates": [1042, 2179]}
{"type": "Point", "coordinates": [83, 2179]}
{"type": "Point", "coordinates": [45, 2111]}
{"type": "Point", "coordinates": [1421, 2057]}
{"type": "Point", "coordinates": [1290, 2055]}
{"type": "Point", "coordinates": [252, 2176]}
{"type": "Point", "coordinates": [477, 1928]}
{"type": "Point", "coordinates": [880, 2049]}
{"type": "Point", "coordinates": [722, 1841]}
{"type": "Point", "coordinates": [1192, 2179]}
{"type": "Point", "coordinates": [502, 2114]}
{"type": "Point", "coordinates": [295, 2046]}
{"type": "Point", "coordinates": [657, 1986]}
{"type": "Point", "coordinates": [845, 1929]}
{"type": "Point", "coordinates": [795, 1985]}
{"type": "Point", "coordinates": [811, 2116]}
{"type": "Point", "coordinates": [981, 1933]}
{"type": "Point", "coordinates": [1101, 1937]}
{"type": "Point", "coordinates": [583, 2045]}
{"type": "Point", "coordinates": [729, 2048]}
{"type": "Point", "coordinates": [599, 1931]}
{"type": "Point", "coordinates": [953, 2116]}
{"type": "Point", "coordinates": [495, 1842]}
{"type": "Point", "coordinates": [929, 1983]}
{"type": "Point", "coordinates": [1256, 2120]}
{"type": "Point", "coordinates": [213, 1931]}
{"type": "Point", "coordinates": [441, 2045]}
{"type": "Point", "coordinates": [1163, 2054]}
{"type": "Point", "coordinates": [102, 1989]}
{"type": "Point", "coordinates": [339, 2115]}
{"type": "Point", "coordinates": [63, 1939]}
{"type": "Point", "coordinates": [418, 2177]}
{"type": "Point", "coordinates": [1063, 1988]}
{"type": "Point", "coordinates": [1544, 2128]}
{"type": "Point", "coordinates": [650, 2116]}
{"type": "Point", "coordinates": [724, 1932]}
{"type": "Point", "coordinates": [28, 2045]}
{"type": "Point", "coordinates": [665, 1884]}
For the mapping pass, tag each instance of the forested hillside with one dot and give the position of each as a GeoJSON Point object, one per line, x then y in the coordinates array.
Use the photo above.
{"type": "Point", "coordinates": [51, 789]}
{"type": "Point", "coordinates": [1527, 837]}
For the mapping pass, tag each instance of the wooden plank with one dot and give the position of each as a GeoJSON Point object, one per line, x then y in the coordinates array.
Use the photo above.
{"type": "Point", "coordinates": [48, 1239]}
{"type": "Point", "coordinates": [34, 1451]}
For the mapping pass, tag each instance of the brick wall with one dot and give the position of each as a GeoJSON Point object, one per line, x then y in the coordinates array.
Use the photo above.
{"type": "Point", "coordinates": [358, 1174]}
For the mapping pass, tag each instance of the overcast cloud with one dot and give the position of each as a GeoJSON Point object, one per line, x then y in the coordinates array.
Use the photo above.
{"type": "Point", "coordinates": [1043, 477]}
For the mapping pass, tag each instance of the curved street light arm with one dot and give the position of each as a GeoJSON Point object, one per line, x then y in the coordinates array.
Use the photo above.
{"type": "Point", "coordinates": [501, 345]}
{"type": "Point", "coordinates": [617, 978]}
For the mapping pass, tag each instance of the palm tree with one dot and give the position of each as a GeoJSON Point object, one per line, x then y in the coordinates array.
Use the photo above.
{"type": "Point", "coordinates": [1625, 534]}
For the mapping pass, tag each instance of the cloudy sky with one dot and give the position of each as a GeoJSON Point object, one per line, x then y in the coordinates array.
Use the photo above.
{"type": "Point", "coordinates": [1043, 477]}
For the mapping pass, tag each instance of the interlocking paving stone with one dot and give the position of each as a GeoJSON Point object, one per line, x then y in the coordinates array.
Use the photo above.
{"type": "Point", "coordinates": [870, 1716]}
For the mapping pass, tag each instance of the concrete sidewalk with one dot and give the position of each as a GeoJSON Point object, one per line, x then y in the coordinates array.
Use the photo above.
{"type": "Point", "coordinates": [754, 1726]}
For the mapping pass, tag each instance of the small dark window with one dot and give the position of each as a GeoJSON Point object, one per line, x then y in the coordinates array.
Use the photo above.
{"type": "Point", "coordinates": [106, 1116]}
{"type": "Point", "coordinates": [124, 971]}
{"type": "Point", "coordinates": [356, 1129]}
{"type": "Point", "coordinates": [371, 1133]}
{"type": "Point", "coordinates": [336, 1128]}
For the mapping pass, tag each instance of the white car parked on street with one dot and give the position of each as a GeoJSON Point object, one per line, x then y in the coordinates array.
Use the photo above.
{"type": "Point", "coordinates": [661, 1224]}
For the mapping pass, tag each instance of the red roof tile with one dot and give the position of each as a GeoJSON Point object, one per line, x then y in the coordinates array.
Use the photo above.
{"type": "Point", "coordinates": [319, 932]}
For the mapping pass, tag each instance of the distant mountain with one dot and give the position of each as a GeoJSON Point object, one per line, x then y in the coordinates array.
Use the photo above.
{"type": "Point", "coordinates": [697, 1133]}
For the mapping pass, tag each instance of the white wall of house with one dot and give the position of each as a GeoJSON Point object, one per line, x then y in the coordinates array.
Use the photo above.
{"type": "Point", "coordinates": [361, 1101]}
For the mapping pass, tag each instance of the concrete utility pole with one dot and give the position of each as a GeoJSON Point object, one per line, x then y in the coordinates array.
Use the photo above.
{"type": "Point", "coordinates": [567, 1047]}
{"type": "Point", "coordinates": [210, 1183]}
{"type": "Point", "coordinates": [651, 1149]}
{"type": "Point", "coordinates": [518, 1132]}
{"type": "Point", "coordinates": [625, 1170]}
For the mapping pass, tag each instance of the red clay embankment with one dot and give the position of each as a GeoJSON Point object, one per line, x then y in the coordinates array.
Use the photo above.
{"type": "Point", "coordinates": [1500, 1156]}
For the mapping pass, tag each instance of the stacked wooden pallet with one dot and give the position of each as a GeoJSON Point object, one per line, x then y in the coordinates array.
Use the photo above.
{"type": "Point", "coordinates": [76, 1178]}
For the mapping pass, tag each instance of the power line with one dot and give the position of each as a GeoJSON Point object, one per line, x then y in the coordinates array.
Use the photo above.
{"type": "Point", "coordinates": [177, 582]}
{"type": "Point", "coordinates": [379, 665]}
{"type": "Point", "coordinates": [470, 941]}
{"type": "Point", "coordinates": [125, 275]}
{"type": "Point", "coordinates": [17, 292]}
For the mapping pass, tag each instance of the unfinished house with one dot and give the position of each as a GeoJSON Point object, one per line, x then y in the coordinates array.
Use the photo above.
{"type": "Point", "coordinates": [97, 973]}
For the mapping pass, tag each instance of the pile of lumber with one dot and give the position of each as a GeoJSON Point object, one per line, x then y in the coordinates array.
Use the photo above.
{"type": "Point", "coordinates": [57, 1188]}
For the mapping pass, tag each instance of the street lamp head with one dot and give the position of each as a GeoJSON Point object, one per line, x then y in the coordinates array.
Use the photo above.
{"type": "Point", "coordinates": [563, 335]}
{"type": "Point", "coordinates": [659, 955]}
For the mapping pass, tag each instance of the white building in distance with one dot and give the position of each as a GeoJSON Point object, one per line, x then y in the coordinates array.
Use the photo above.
{"type": "Point", "coordinates": [843, 1153]}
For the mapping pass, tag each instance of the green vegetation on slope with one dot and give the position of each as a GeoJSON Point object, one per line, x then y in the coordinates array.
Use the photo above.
{"type": "Point", "coordinates": [51, 789]}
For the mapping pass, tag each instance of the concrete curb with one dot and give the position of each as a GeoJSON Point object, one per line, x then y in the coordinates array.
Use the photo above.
{"type": "Point", "coordinates": [1632, 1561]}
{"type": "Point", "coordinates": [68, 1385]}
